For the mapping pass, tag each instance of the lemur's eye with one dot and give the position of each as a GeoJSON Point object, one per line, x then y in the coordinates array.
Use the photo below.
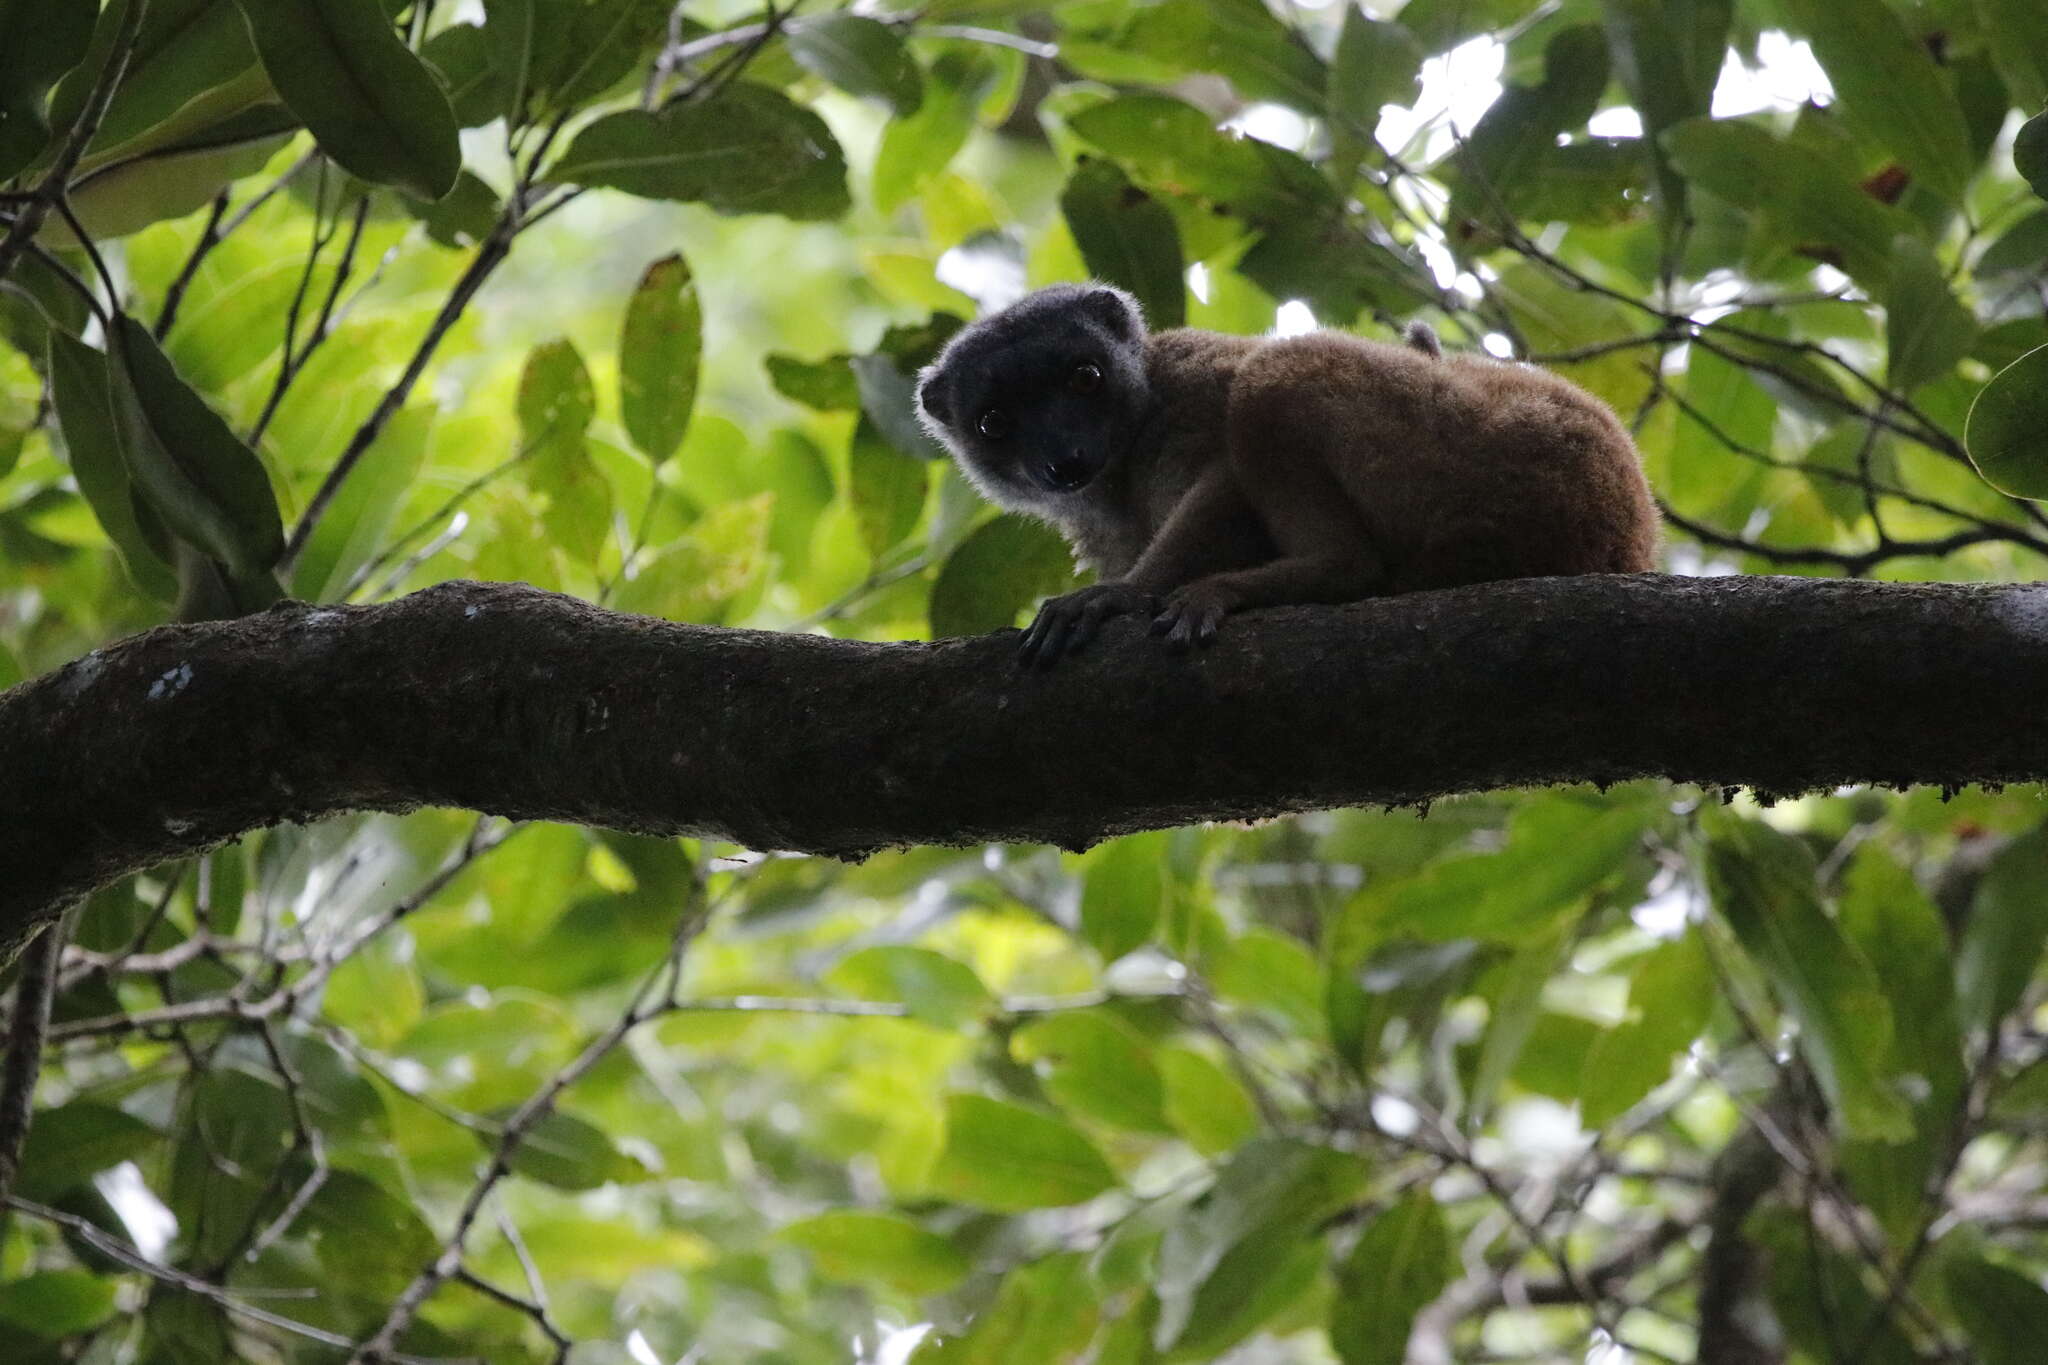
{"type": "Point", "coordinates": [1085, 378]}
{"type": "Point", "coordinates": [993, 425]}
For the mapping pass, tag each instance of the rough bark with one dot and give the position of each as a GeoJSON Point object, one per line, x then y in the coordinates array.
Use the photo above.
{"type": "Point", "coordinates": [535, 706]}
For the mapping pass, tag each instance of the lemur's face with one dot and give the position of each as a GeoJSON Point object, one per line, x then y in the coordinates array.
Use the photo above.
{"type": "Point", "coordinates": [1037, 400]}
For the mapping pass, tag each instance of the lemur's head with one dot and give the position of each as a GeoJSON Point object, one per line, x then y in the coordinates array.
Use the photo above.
{"type": "Point", "coordinates": [1037, 400]}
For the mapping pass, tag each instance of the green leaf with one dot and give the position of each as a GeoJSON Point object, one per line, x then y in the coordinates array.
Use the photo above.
{"type": "Point", "coordinates": [1926, 330]}
{"type": "Point", "coordinates": [1378, 62]}
{"type": "Point", "coordinates": [1556, 1056]}
{"type": "Point", "coordinates": [57, 1303]}
{"type": "Point", "coordinates": [1596, 180]}
{"type": "Point", "coordinates": [857, 1246]}
{"type": "Point", "coordinates": [465, 56]}
{"type": "Point", "coordinates": [80, 384]}
{"type": "Point", "coordinates": [376, 994]}
{"type": "Point", "coordinates": [721, 556]}
{"type": "Point", "coordinates": [664, 874]}
{"type": "Point", "coordinates": [208, 486]}
{"type": "Point", "coordinates": [2018, 42]}
{"type": "Point", "coordinates": [748, 150]}
{"type": "Point", "coordinates": [509, 29]}
{"type": "Point", "coordinates": [556, 397]}
{"type": "Point", "coordinates": [1897, 928]}
{"type": "Point", "coordinates": [793, 468]}
{"type": "Point", "coordinates": [2030, 153]}
{"type": "Point", "coordinates": [578, 514]}
{"type": "Point", "coordinates": [1399, 1264]}
{"type": "Point", "coordinates": [2000, 344]}
{"type": "Point", "coordinates": [584, 48]}
{"type": "Point", "coordinates": [2007, 430]}
{"type": "Point", "coordinates": [1127, 238]}
{"type": "Point", "coordinates": [464, 217]}
{"type": "Point", "coordinates": [192, 67]}
{"type": "Point", "coordinates": [1726, 410]}
{"type": "Point", "coordinates": [556, 404]}
{"type": "Point", "coordinates": [1008, 1158]}
{"type": "Point", "coordinates": [1512, 1008]}
{"type": "Point", "coordinates": [1809, 198]}
{"type": "Point", "coordinates": [1667, 54]}
{"type": "Point", "coordinates": [370, 1242]}
{"type": "Point", "coordinates": [888, 397]}
{"type": "Point", "coordinates": [228, 322]}
{"type": "Point", "coordinates": [1092, 1064]}
{"type": "Point", "coordinates": [70, 1144]}
{"type": "Point", "coordinates": [1670, 995]}
{"type": "Point", "coordinates": [2004, 1311]}
{"type": "Point", "coordinates": [1205, 1103]}
{"type": "Point", "coordinates": [1512, 137]}
{"type": "Point", "coordinates": [660, 346]}
{"type": "Point", "coordinates": [887, 489]}
{"type": "Point", "coordinates": [861, 56]}
{"type": "Point", "coordinates": [917, 147]}
{"type": "Point", "coordinates": [353, 531]}
{"type": "Point", "coordinates": [1002, 567]}
{"type": "Point", "coordinates": [33, 302]}
{"type": "Point", "coordinates": [127, 194]}
{"type": "Point", "coordinates": [1126, 884]}
{"type": "Point", "coordinates": [1045, 1312]}
{"type": "Point", "coordinates": [46, 38]}
{"type": "Point", "coordinates": [234, 1134]}
{"type": "Point", "coordinates": [1559, 850]}
{"type": "Point", "coordinates": [564, 1151]}
{"type": "Point", "coordinates": [1820, 1295]}
{"type": "Point", "coordinates": [937, 989]}
{"type": "Point", "coordinates": [1272, 971]}
{"type": "Point", "coordinates": [2021, 250]}
{"type": "Point", "coordinates": [491, 1054]}
{"type": "Point", "coordinates": [1165, 141]}
{"type": "Point", "coordinates": [2001, 943]}
{"type": "Point", "coordinates": [1763, 885]}
{"type": "Point", "coordinates": [1236, 39]}
{"type": "Point", "coordinates": [185, 1329]}
{"type": "Point", "coordinates": [827, 385]}
{"type": "Point", "coordinates": [1442, 24]}
{"type": "Point", "coordinates": [1239, 1244]}
{"type": "Point", "coordinates": [1555, 317]}
{"type": "Point", "coordinates": [1887, 84]}
{"type": "Point", "coordinates": [369, 102]}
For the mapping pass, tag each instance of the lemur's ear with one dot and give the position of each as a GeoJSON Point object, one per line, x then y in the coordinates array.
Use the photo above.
{"type": "Point", "coordinates": [931, 396]}
{"type": "Point", "coordinates": [1116, 310]}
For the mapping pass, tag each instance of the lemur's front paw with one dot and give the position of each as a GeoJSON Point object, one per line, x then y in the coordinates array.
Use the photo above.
{"type": "Point", "coordinates": [1067, 623]}
{"type": "Point", "coordinates": [1192, 613]}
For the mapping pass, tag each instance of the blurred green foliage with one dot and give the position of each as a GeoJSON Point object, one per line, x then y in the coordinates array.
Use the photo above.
{"type": "Point", "coordinates": [1616, 1076]}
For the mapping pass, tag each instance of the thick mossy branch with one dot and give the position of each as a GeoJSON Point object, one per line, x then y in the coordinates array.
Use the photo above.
{"type": "Point", "coordinates": [535, 706]}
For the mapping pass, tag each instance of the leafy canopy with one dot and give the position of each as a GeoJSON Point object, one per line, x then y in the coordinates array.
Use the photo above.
{"type": "Point", "coordinates": [338, 298]}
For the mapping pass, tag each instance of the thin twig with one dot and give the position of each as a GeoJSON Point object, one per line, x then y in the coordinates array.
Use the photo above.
{"type": "Point", "coordinates": [209, 237]}
{"type": "Point", "coordinates": [115, 1249]}
{"type": "Point", "coordinates": [27, 1024]}
{"type": "Point", "coordinates": [649, 1002]}
{"type": "Point", "coordinates": [493, 250]}
{"type": "Point", "coordinates": [50, 190]}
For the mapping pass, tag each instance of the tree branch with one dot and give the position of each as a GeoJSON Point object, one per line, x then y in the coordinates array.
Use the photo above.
{"type": "Point", "coordinates": [505, 699]}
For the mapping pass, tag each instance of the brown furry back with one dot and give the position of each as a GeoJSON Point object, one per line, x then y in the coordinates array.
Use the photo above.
{"type": "Point", "coordinates": [1464, 468]}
